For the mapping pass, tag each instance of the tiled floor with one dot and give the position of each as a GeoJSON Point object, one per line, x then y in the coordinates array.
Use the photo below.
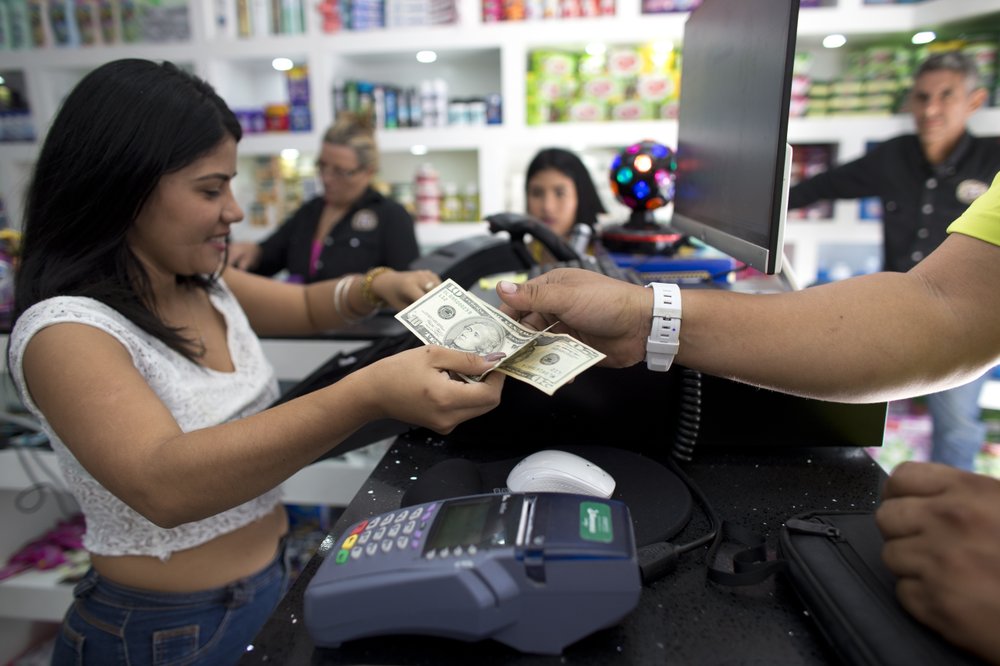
{"type": "Point", "coordinates": [908, 437]}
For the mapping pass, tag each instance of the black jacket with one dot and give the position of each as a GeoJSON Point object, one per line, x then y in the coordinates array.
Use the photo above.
{"type": "Point", "coordinates": [376, 231]}
{"type": "Point", "coordinates": [919, 200]}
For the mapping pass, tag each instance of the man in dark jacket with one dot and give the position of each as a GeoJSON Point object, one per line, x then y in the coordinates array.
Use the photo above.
{"type": "Point", "coordinates": [926, 180]}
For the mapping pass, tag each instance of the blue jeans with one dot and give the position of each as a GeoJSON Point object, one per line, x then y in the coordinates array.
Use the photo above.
{"type": "Point", "coordinates": [113, 624]}
{"type": "Point", "coordinates": [958, 432]}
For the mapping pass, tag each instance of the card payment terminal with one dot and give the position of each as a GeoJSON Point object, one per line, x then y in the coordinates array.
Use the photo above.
{"type": "Point", "coordinates": [534, 571]}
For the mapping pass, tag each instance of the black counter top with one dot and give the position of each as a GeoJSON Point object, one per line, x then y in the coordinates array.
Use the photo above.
{"type": "Point", "coordinates": [680, 619]}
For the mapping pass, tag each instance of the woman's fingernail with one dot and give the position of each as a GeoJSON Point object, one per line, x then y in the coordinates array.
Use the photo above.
{"type": "Point", "coordinates": [494, 356]}
{"type": "Point", "coordinates": [508, 287]}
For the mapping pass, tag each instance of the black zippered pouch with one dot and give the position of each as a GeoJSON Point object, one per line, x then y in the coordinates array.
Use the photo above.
{"type": "Point", "coordinates": [833, 560]}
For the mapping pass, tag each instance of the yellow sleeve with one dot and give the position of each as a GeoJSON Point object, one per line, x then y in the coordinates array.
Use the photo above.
{"type": "Point", "coordinates": [982, 218]}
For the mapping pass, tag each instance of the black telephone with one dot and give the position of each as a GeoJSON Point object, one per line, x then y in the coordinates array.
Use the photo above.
{"type": "Point", "coordinates": [469, 259]}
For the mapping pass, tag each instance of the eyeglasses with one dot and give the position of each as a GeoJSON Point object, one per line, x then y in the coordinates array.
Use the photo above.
{"type": "Point", "coordinates": [337, 172]}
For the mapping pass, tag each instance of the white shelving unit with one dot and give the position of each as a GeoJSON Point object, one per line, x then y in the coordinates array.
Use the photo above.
{"type": "Point", "coordinates": [477, 58]}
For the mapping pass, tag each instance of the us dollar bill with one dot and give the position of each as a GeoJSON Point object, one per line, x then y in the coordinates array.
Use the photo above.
{"type": "Point", "coordinates": [449, 316]}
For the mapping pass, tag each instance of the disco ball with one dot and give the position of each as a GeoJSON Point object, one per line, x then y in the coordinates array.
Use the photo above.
{"type": "Point", "coordinates": [642, 175]}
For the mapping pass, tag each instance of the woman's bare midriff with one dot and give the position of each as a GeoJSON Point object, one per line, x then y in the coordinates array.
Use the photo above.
{"type": "Point", "coordinates": [221, 561]}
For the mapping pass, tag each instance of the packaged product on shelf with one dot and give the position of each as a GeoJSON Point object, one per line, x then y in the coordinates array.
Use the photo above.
{"type": "Point", "coordinates": [109, 20]}
{"type": "Point", "coordinates": [534, 10]}
{"type": "Point", "coordinates": [451, 203]}
{"type": "Point", "coordinates": [514, 10]}
{"type": "Point", "coordinates": [261, 18]}
{"type": "Point", "coordinates": [554, 96]}
{"type": "Point", "coordinates": [458, 112]}
{"type": "Point", "coordinates": [588, 111]}
{"type": "Point", "coordinates": [162, 20]}
{"type": "Point", "coordinates": [630, 110]}
{"type": "Point", "coordinates": [37, 23]}
{"type": "Point", "coordinates": [276, 117]}
{"type": "Point", "coordinates": [378, 105]}
{"type": "Point", "coordinates": [391, 108]}
{"type": "Point", "coordinates": [553, 64]}
{"type": "Point", "coordinates": [224, 21]}
{"type": "Point", "coordinates": [441, 99]}
{"type": "Point", "coordinates": [330, 17]}
{"type": "Point", "coordinates": [428, 191]}
{"type": "Point", "coordinates": [258, 215]}
{"type": "Point", "coordinates": [492, 11]}
{"type": "Point", "coordinates": [403, 107]}
{"type": "Point", "coordinates": [409, 13]}
{"type": "Point", "coordinates": [129, 26]}
{"type": "Point", "coordinates": [244, 19]}
{"type": "Point", "coordinates": [818, 103]}
{"type": "Point", "coordinates": [983, 51]}
{"type": "Point", "coordinates": [245, 118]}
{"type": "Point", "coordinates": [292, 21]}
{"type": "Point", "coordinates": [624, 62]}
{"type": "Point", "coordinates": [443, 12]}
{"type": "Point", "coordinates": [365, 15]}
{"type": "Point", "coordinates": [5, 44]}
{"type": "Point", "coordinates": [16, 125]}
{"type": "Point", "coordinates": [339, 96]}
{"type": "Point", "coordinates": [570, 8]}
{"type": "Point", "coordinates": [365, 98]}
{"type": "Point", "coordinates": [429, 106]}
{"type": "Point", "coordinates": [298, 84]}
{"type": "Point", "coordinates": [603, 89]}
{"type": "Point", "coordinates": [809, 160]}
{"type": "Point", "coordinates": [667, 6]}
{"type": "Point", "coordinates": [18, 27]}
{"type": "Point", "coordinates": [656, 89]}
{"type": "Point", "coordinates": [63, 23]}
{"type": "Point", "coordinates": [402, 193]}
{"type": "Point", "coordinates": [470, 203]}
{"type": "Point", "coordinates": [801, 81]}
{"type": "Point", "coordinates": [477, 112]}
{"type": "Point", "coordinates": [416, 115]}
{"type": "Point", "coordinates": [85, 13]}
{"type": "Point", "coordinates": [630, 83]}
{"type": "Point", "coordinates": [494, 109]}
{"type": "Point", "coordinates": [299, 118]}
{"type": "Point", "coordinates": [299, 115]}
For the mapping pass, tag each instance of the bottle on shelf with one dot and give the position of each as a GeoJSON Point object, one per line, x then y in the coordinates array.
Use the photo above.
{"type": "Point", "coordinates": [451, 203]}
{"type": "Point", "coordinates": [428, 188]}
{"type": "Point", "coordinates": [470, 203]}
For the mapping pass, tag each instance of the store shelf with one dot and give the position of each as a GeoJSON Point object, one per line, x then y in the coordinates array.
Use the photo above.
{"type": "Point", "coordinates": [477, 57]}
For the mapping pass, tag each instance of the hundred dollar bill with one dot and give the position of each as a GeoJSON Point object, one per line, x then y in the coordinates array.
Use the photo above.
{"type": "Point", "coordinates": [450, 316]}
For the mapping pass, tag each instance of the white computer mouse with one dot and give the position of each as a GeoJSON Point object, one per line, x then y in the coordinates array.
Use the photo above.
{"type": "Point", "coordinates": [559, 472]}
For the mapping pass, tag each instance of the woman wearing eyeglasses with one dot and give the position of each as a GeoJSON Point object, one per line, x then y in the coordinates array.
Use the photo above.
{"type": "Point", "coordinates": [350, 228]}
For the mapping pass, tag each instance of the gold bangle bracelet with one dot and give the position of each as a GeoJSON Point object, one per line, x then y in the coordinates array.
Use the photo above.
{"type": "Point", "coordinates": [366, 286]}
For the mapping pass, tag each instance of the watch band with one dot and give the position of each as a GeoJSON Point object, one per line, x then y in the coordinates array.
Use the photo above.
{"type": "Point", "coordinates": [665, 332]}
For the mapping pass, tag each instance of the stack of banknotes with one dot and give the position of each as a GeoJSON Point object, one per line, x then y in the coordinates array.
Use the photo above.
{"type": "Point", "coordinates": [449, 316]}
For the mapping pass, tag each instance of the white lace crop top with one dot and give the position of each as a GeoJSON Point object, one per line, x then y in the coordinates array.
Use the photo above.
{"type": "Point", "coordinates": [198, 397]}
